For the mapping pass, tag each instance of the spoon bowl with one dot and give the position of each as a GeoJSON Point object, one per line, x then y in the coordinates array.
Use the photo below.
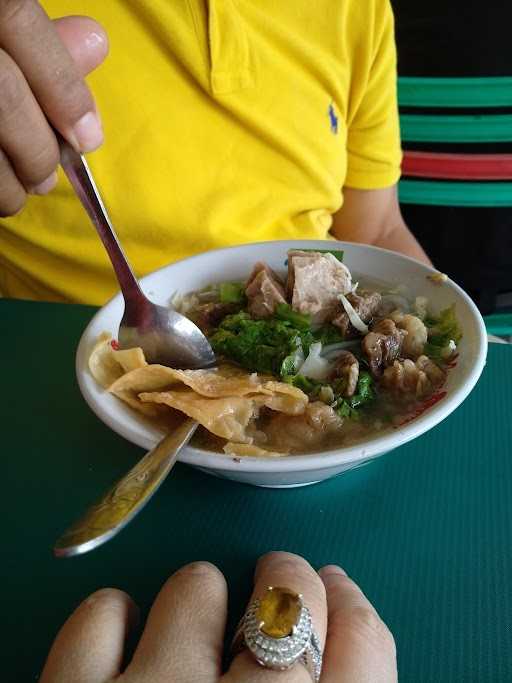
{"type": "Point", "coordinates": [165, 336]}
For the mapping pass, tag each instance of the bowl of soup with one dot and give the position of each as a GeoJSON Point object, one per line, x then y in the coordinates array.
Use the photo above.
{"type": "Point", "coordinates": [329, 355]}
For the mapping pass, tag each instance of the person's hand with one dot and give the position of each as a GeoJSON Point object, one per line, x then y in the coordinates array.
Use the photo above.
{"type": "Point", "coordinates": [42, 65]}
{"type": "Point", "coordinates": [183, 638]}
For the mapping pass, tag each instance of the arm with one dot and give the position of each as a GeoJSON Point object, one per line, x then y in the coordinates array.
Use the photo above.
{"type": "Point", "coordinates": [370, 211]}
{"type": "Point", "coordinates": [373, 217]}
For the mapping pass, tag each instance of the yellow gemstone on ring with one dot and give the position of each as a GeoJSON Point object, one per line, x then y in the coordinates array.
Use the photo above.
{"type": "Point", "coordinates": [278, 612]}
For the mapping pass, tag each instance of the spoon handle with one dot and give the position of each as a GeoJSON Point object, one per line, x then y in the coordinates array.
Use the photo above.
{"type": "Point", "coordinates": [80, 176]}
{"type": "Point", "coordinates": [126, 498]}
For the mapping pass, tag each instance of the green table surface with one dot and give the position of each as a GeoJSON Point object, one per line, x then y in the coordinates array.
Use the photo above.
{"type": "Point", "coordinates": [426, 530]}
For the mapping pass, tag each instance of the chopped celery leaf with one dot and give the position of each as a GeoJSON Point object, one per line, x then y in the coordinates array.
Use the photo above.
{"type": "Point", "coordinates": [348, 407]}
{"type": "Point", "coordinates": [328, 334]}
{"type": "Point", "coordinates": [232, 292]}
{"type": "Point", "coordinates": [301, 321]}
{"type": "Point", "coordinates": [442, 330]}
{"type": "Point", "coordinates": [308, 386]}
{"type": "Point", "coordinates": [259, 345]}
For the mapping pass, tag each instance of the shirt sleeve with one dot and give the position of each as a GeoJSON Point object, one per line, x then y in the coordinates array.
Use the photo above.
{"type": "Point", "coordinates": [373, 130]}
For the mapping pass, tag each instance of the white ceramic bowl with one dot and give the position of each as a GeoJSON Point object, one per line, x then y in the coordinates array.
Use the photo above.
{"type": "Point", "coordinates": [234, 264]}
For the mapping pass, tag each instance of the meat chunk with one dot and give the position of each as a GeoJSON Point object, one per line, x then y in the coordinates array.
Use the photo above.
{"type": "Point", "coordinates": [416, 337]}
{"type": "Point", "coordinates": [388, 327]}
{"type": "Point", "coordinates": [382, 345]}
{"type": "Point", "coordinates": [260, 266]}
{"type": "Point", "coordinates": [315, 281]}
{"type": "Point", "coordinates": [303, 432]}
{"type": "Point", "coordinates": [208, 316]}
{"type": "Point", "coordinates": [346, 369]}
{"type": "Point", "coordinates": [264, 291]}
{"type": "Point", "coordinates": [365, 305]}
{"type": "Point", "coordinates": [413, 379]}
{"type": "Point", "coordinates": [435, 374]}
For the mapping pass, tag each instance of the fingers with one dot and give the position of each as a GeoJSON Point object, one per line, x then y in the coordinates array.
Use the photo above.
{"type": "Point", "coordinates": [359, 646]}
{"type": "Point", "coordinates": [12, 192]}
{"type": "Point", "coordinates": [85, 40]}
{"type": "Point", "coordinates": [89, 647]}
{"type": "Point", "coordinates": [288, 571]}
{"type": "Point", "coordinates": [42, 65]}
{"type": "Point", "coordinates": [29, 37]}
{"type": "Point", "coordinates": [25, 136]}
{"type": "Point", "coordinates": [183, 638]}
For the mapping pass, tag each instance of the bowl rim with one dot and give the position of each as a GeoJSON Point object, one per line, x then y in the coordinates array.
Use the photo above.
{"type": "Point", "coordinates": [318, 460]}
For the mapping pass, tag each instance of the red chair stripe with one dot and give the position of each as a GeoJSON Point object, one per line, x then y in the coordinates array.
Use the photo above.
{"type": "Point", "coordinates": [457, 166]}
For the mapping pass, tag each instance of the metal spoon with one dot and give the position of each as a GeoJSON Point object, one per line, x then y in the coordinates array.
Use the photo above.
{"type": "Point", "coordinates": [105, 519]}
{"type": "Point", "coordinates": [166, 337]}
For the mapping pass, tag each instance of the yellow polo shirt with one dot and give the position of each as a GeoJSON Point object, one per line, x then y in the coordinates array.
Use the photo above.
{"type": "Point", "coordinates": [226, 121]}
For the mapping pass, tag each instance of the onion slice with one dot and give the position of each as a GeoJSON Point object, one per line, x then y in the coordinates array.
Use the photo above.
{"type": "Point", "coordinates": [331, 350]}
{"type": "Point", "coordinates": [315, 367]}
{"type": "Point", "coordinates": [448, 350]}
{"type": "Point", "coordinates": [353, 316]}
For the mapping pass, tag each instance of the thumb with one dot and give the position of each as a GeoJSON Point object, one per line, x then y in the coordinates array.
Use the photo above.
{"type": "Point", "coordinates": [85, 40]}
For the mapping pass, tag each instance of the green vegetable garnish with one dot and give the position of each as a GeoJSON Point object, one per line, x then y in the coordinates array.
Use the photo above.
{"type": "Point", "coordinates": [328, 334]}
{"type": "Point", "coordinates": [232, 292]}
{"type": "Point", "coordinates": [364, 390]}
{"type": "Point", "coordinates": [308, 386]}
{"type": "Point", "coordinates": [441, 331]}
{"type": "Point", "coordinates": [259, 345]}
{"type": "Point", "coordinates": [301, 321]}
{"type": "Point", "coordinates": [344, 409]}
{"type": "Point", "coordinates": [348, 407]}
{"type": "Point", "coordinates": [446, 328]}
{"type": "Point", "coordinates": [291, 363]}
